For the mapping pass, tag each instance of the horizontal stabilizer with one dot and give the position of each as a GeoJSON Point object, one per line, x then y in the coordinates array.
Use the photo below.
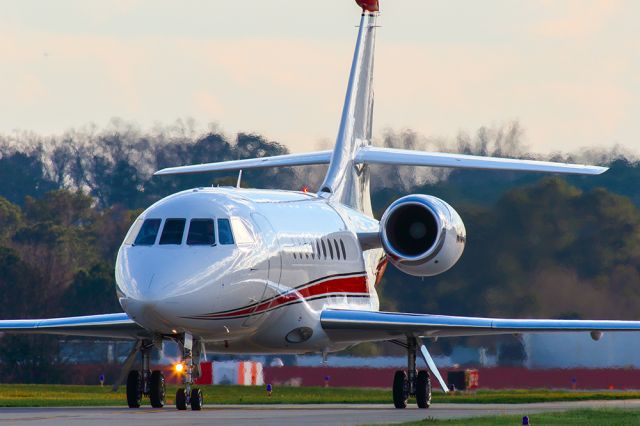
{"type": "Point", "coordinates": [348, 325]}
{"type": "Point", "coordinates": [306, 159]}
{"type": "Point", "coordinates": [404, 157]}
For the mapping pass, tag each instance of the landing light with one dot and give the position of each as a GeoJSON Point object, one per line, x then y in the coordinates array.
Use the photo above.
{"type": "Point", "coordinates": [179, 367]}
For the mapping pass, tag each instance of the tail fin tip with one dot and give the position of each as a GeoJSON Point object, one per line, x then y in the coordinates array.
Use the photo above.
{"type": "Point", "coordinates": [369, 5]}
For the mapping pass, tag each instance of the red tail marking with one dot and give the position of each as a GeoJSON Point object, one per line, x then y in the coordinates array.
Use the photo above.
{"type": "Point", "coordinates": [369, 5]}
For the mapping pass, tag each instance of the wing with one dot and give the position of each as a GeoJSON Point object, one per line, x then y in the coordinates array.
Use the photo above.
{"type": "Point", "coordinates": [108, 325]}
{"type": "Point", "coordinates": [310, 158]}
{"type": "Point", "coordinates": [354, 326]}
{"type": "Point", "coordinates": [404, 157]}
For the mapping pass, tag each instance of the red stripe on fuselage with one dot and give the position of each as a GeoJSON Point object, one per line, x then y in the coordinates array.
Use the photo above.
{"type": "Point", "coordinates": [337, 285]}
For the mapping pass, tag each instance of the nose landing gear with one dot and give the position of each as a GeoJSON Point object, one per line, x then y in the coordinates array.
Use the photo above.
{"type": "Point", "coordinates": [151, 384]}
{"type": "Point", "coordinates": [189, 395]}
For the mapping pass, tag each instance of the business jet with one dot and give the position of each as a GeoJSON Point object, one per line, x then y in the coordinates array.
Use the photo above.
{"type": "Point", "coordinates": [250, 271]}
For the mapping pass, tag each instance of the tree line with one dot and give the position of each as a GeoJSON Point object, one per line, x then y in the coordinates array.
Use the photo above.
{"type": "Point", "coordinates": [537, 246]}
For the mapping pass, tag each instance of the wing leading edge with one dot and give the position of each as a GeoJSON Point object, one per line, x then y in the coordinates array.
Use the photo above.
{"type": "Point", "coordinates": [348, 325]}
{"type": "Point", "coordinates": [118, 326]}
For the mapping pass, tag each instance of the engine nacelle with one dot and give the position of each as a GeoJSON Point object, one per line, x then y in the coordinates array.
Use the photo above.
{"type": "Point", "coordinates": [422, 235]}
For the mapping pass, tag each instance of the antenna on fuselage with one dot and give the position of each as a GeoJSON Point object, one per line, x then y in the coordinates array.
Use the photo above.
{"type": "Point", "coordinates": [239, 178]}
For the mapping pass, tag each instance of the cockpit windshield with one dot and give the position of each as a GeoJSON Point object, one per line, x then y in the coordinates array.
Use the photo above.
{"type": "Point", "coordinates": [172, 232]}
{"type": "Point", "coordinates": [201, 232]}
{"type": "Point", "coordinates": [148, 232]}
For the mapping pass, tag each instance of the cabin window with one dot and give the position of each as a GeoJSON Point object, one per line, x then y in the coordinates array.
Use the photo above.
{"type": "Point", "coordinates": [225, 236]}
{"type": "Point", "coordinates": [173, 231]}
{"type": "Point", "coordinates": [201, 233]}
{"type": "Point", "coordinates": [148, 232]}
{"type": "Point", "coordinates": [241, 232]}
{"type": "Point", "coordinates": [344, 251]}
{"type": "Point", "coordinates": [335, 244]}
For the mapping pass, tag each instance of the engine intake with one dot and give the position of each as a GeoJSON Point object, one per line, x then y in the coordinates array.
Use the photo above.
{"type": "Point", "coordinates": [423, 235]}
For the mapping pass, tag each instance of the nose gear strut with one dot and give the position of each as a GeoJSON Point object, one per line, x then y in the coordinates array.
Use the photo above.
{"type": "Point", "coordinates": [189, 395]}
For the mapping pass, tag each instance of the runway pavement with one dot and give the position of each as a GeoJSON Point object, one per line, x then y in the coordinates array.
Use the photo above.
{"type": "Point", "coordinates": [281, 415]}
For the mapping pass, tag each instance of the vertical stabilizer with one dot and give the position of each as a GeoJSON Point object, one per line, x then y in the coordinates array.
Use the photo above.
{"type": "Point", "coordinates": [346, 181]}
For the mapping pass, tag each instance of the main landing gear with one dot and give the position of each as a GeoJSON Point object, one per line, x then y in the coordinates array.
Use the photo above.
{"type": "Point", "coordinates": [414, 383]}
{"type": "Point", "coordinates": [189, 395]}
{"type": "Point", "coordinates": [411, 383]}
{"type": "Point", "coordinates": [145, 382]}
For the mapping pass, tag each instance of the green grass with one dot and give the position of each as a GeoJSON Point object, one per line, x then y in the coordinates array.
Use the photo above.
{"type": "Point", "coordinates": [595, 417]}
{"type": "Point", "coordinates": [66, 395]}
{"type": "Point", "coordinates": [57, 396]}
{"type": "Point", "coordinates": [515, 396]}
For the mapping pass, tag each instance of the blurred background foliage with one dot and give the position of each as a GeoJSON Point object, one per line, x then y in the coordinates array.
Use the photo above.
{"type": "Point", "coordinates": [538, 245]}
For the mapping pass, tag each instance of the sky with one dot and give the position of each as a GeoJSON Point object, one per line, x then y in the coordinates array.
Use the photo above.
{"type": "Point", "coordinates": [567, 70]}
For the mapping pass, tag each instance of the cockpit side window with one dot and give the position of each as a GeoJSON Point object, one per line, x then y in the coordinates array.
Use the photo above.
{"type": "Point", "coordinates": [225, 236]}
{"type": "Point", "coordinates": [133, 232]}
{"type": "Point", "coordinates": [148, 232]}
{"type": "Point", "coordinates": [172, 232]}
{"type": "Point", "coordinates": [201, 233]}
{"type": "Point", "coordinates": [241, 232]}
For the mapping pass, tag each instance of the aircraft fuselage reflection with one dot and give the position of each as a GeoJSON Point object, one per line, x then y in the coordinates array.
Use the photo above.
{"type": "Point", "coordinates": [276, 259]}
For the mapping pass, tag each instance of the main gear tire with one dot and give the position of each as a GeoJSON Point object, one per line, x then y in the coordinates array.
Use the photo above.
{"type": "Point", "coordinates": [423, 389]}
{"type": "Point", "coordinates": [400, 389]}
{"type": "Point", "coordinates": [134, 389]}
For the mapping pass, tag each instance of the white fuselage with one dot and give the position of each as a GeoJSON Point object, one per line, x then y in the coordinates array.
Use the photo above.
{"type": "Point", "coordinates": [293, 255]}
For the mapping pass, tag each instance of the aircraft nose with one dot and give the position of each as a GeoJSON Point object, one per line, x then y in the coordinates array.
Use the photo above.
{"type": "Point", "coordinates": [167, 283]}
{"type": "Point", "coordinates": [150, 314]}
{"type": "Point", "coordinates": [147, 274]}
{"type": "Point", "coordinates": [146, 285]}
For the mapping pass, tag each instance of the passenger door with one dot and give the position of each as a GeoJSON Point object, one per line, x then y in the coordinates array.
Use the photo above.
{"type": "Point", "coordinates": [271, 264]}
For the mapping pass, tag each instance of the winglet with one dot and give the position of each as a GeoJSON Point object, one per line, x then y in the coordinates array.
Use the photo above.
{"type": "Point", "coordinates": [369, 5]}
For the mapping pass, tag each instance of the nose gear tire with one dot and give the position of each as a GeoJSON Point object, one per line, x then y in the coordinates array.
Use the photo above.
{"type": "Point", "coordinates": [157, 391]}
{"type": "Point", "coordinates": [181, 400]}
{"type": "Point", "coordinates": [196, 400]}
